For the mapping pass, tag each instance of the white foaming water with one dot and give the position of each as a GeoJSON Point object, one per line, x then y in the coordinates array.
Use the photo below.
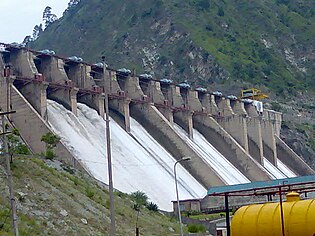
{"type": "Point", "coordinates": [134, 167]}
{"type": "Point", "coordinates": [274, 172]}
{"type": "Point", "coordinates": [286, 170]}
{"type": "Point", "coordinates": [229, 173]}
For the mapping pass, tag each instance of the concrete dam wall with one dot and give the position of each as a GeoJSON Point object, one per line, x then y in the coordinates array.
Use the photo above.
{"type": "Point", "coordinates": [234, 128]}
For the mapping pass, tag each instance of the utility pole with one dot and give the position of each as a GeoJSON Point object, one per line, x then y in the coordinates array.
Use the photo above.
{"type": "Point", "coordinates": [176, 187]}
{"type": "Point", "coordinates": [7, 157]}
{"type": "Point", "coordinates": [9, 175]}
{"type": "Point", "coordinates": [109, 157]}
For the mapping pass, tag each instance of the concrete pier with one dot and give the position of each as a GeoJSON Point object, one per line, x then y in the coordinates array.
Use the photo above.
{"type": "Point", "coordinates": [182, 114]}
{"type": "Point", "coordinates": [236, 126]}
{"type": "Point", "coordinates": [79, 74]}
{"type": "Point", "coordinates": [61, 89]}
{"type": "Point", "coordinates": [204, 99]}
{"type": "Point", "coordinates": [35, 91]}
{"type": "Point", "coordinates": [229, 148]}
{"type": "Point", "coordinates": [269, 141]}
{"type": "Point", "coordinates": [160, 101]}
{"type": "Point", "coordinates": [52, 68]}
{"type": "Point", "coordinates": [23, 63]}
{"type": "Point", "coordinates": [223, 105]}
{"type": "Point", "coordinates": [238, 108]}
{"type": "Point", "coordinates": [255, 141]}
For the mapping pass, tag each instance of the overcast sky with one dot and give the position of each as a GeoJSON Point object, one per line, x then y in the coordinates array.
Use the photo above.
{"type": "Point", "coordinates": [18, 17]}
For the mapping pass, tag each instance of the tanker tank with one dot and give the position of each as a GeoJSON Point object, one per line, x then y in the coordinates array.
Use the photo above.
{"type": "Point", "coordinates": [265, 219]}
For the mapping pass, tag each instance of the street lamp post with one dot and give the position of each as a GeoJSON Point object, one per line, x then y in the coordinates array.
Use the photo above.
{"type": "Point", "coordinates": [109, 158]}
{"type": "Point", "coordinates": [178, 207]}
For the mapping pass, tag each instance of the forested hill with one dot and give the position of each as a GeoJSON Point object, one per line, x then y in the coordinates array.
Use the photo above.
{"type": "Point", "coordinates": [223, 45]}
{"type": "Point", "coordinates": [268, 43]}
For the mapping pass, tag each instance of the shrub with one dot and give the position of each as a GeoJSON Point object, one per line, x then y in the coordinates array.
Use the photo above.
{"type": "Point", "coordinates": [76, 181]}
{"type": "Point", "coordinates": [89, 192]}
{"type": "Point", "coordinates": [15, 146]}
{"type": "Point", "coordinates": [196, 228]}
{"type": "Point", "coordinates": [51, 140]}
{"type": "Point", "coordinates": [152, 206]}
{"type": "Point", "coordinates": [50, 154]}
{"type": "Point", "coordinates": [220, 11]}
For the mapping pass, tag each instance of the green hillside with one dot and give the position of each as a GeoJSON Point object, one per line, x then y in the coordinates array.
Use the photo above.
{"type": "Point", "coordinates": [218, 44]}
{"type": "Point", "coordinates": [53, 199]}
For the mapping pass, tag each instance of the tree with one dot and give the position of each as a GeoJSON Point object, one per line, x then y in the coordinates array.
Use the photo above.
{"type": "Point", "coordinates": [71, 4]}
{"type": "Point", "coordinates": [38, 29]}
{"type": "Point", "coordinates": [27, 39]}
{"type": "Point", "coordinates": [15, 146]}
{"type": "Point", "coordinates": [139, 197]}
{"type": "Point", "coordinates": [48, 17]}
{"type": "Point", "coordinates": [51, 140]}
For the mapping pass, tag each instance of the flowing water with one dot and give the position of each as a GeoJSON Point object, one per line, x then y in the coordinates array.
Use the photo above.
{"type": "Point", "coordinates": [229, 173]}
{"type": "Point", "coordinates": [141, 165]}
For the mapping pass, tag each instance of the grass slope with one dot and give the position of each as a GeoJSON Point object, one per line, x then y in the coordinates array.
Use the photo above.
{"type": "Point", "coordinates": [43, 192]}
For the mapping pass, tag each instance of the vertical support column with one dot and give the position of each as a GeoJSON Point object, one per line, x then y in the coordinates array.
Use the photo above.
{"type": "Point", "coordinates": [237, 127]}
{"type": "Point", "coordinates": [205, 101]}
{"type": "Point", "coordinates": [227, 214]}
{"type": "Point", "coordinates": [214, 110]}
{"type": "Point", "coordinates": [101, 105]}
{"type": "Point", "coordinates": [127, 114]}
{"type": "Point", "coordinates": [255, 136]}
{"type": "Point", "coordinates": [269, 141]}
{"type": "Point", "coordinates": [190, 124]}
{"type": "Point", "coordinates": [228, 111]}
{"type": "Point", "coordinates": [176, 98]}
{"type": "Point", "coordinates": [167, 112]}
{"type": "Point", "coordinates": [73, 101]}
{"type": "Point", "coordinates": [244, 134]}
{"type": "Point", "coordinates": [276, 119]}
{"type": "Point", "coordinates": [185, 120]}
{"type": "Point", "coordinates": [238, 108]}
{"type": "Point", "coordinates": [43, 99]}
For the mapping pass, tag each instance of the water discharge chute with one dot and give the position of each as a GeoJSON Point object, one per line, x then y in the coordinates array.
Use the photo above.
{"type": "Point", "coordinates": [140, 164]}
{"type": "Point", "coordinates": [229, 173]}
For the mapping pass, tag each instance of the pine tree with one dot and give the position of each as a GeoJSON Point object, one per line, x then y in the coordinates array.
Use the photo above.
{"type": "Point", "coordinates": [71, 4]}
{"type": "Point", "coordinates": [36, 31]}
{"type": "Point", "coordinates": [27, 39]}
{"type": "Point", "coordinates": [48, 17]}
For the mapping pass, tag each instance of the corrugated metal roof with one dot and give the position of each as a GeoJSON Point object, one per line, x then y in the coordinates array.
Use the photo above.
{"type": "Point", "coordinates": [260, 185]}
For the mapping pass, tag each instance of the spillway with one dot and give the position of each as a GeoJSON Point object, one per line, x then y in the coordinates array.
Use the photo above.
{"type": "Point", "coordinates": [139, 162]}
{"type": "Point", "coordinates": [286, 170]}
{"type": "Point", "coordinates": [274, 172]}
{"type": "Point", "coordinates": [228, 173]}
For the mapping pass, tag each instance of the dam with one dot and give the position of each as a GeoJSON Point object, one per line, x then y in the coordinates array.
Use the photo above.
{"type": "Point", "coordinates": [154, 123]}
